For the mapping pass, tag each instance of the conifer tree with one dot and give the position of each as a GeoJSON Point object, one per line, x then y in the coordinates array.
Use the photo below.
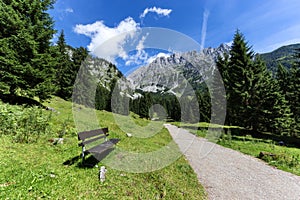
{"type": "Point", "coordinates": [239, 80]}
{"type": "Point", "coordinates": [64, 79]}
{"type": "Point", "coordinates": [294, 92]}
{"type": "Point", "coordinates": [270, 109]}
{"type": "Point", "coordinates": [69, 60]}
{"type": "Point", "coordinates": [254, 100]}
{"type": "Point", "coordinates": [26, 61]}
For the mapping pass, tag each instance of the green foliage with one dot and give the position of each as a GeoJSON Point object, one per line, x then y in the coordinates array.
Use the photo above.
{"type": "Point", "coordinates": [254, 100]}
{"type": "Point", "coordinates": [142, 105]}
{"type": "Point", "coordinates": [118, 101]}
{"type": "Point", "coordinates": [102, 98]}
{"type": "Point", "coordinates": [26, 61]}
{"type": "Point", "coordinates": [85, 85]}
{"type": "Point", "coordinates": [24, 124]}
{"type": "Point", "coordinates": [68, 63]}
{"type": "Point", "coordinates": [289, 84]}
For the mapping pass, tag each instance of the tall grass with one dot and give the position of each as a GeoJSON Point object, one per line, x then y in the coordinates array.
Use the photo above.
{"type": "Point", "coordinates": [24, 124]}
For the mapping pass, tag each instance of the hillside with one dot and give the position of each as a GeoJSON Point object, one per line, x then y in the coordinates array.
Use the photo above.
{"type": "Point", "coordinates": [283, 55]}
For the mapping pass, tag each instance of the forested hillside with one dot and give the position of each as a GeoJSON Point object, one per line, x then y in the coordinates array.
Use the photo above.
{"type": "Point", "coordinates": [284, 55]}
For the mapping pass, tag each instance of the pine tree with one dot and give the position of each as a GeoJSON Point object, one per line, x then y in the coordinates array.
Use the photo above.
{"type": "Point", "coordinates": [64, 78]}
{"type": "Point", "coordinates": [294, 92]}
{"type": "Point", "coordinates": [283, 78]}
{"type": "Point", "coordinates": [254, 100]}
{"type": "Point", "coordinates": [102, 98]}
{"type": "Point", "coordinates": [204, 101]}
{"type": "Point", "coordinates": [26, 61]}
{"type": "Point", "coordinates": [239, 81]}
{"type": "Point", "coordinates": [270, 109]}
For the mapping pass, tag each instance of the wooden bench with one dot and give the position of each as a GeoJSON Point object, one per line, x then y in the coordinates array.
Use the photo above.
{"type": "Point", "coordinates": [95, 142]}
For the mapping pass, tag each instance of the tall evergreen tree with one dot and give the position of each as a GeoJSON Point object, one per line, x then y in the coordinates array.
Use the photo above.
{"type": "Point", "coordinates": [270, 110]}
{"type": "Point", "coordinates": [85, 86]}
{"type": "Point", "coordinates": [26, 61]}
{"type": "Point", "coordinates": [239, 80]}
{"type": "Point", "coordinates": [294, 92]}
{"type": "Point", "coordinates": [283, 78]}
{"type": "Point", "coordinates": [254, 98]}
{"type": "Point", "coordinates": [64, 79]}
{"type": "Point", "coordinates": [69, 60]}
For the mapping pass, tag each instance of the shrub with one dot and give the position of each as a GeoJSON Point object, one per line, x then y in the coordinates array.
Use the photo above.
{"type": "Point", "coordinates": [24, 124]}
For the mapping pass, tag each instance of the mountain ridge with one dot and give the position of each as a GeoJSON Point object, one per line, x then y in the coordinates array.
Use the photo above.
{"type": "Point", "coordinates": [283, 55]}
{"type": "Point", "coordinates": [168, 73]}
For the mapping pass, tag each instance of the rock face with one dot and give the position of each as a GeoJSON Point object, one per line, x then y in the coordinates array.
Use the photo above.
{"type": "Point", "coordinates": [173, 72]}
{"type": "Point", "coordinates": [165, 74]}
{"type": "Point", "coordinates": [104, 71]}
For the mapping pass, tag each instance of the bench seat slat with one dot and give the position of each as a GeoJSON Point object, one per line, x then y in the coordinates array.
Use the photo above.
{"type": "Point", "coordinates": [102, 147]}
{"type": "Point", "coordinates": [85, 142]}
{"type": "Point", "coordinates": [87, 134]}
{"type": "Point", "coordinates": [88, 137]}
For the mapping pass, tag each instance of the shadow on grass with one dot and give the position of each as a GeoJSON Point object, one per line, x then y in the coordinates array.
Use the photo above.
{"type": "Point", "coordinates": [289, 141]}
{"type": "Point", "coordinates": [19, 100]}
{"type": "Point", "coordinates": [72, 161]}
{"type": "Point", "coordinates": [90, 161]}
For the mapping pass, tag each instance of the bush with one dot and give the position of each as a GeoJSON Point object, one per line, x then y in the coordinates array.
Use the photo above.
{"type": "Point", "coordinates": [24, 124]}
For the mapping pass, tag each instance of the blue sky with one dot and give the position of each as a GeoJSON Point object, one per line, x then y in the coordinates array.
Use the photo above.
{"type": "Point", "coordinates": [266, 24]}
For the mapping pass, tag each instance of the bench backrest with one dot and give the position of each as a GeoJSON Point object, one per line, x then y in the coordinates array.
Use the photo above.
{"type": "Point", "coordinates": [90, 136]}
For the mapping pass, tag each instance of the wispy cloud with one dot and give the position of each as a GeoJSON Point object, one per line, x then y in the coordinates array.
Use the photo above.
{"type": "Point", "coordinates": [287, 36]}
{"type": "Point", "coordinates": [140, 56]}
{"type": "Point", "coordinates": [204, 28]}
{"type": "Point", "coordinates": [69, 10]}
{"type": "Point", "coordinates": [159, 11]}
{"type": "Point", "coordinates": [62, 13]}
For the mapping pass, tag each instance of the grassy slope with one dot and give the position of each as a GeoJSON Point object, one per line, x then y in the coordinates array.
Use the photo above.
{"type": "Point", "coordinates": [33, 171]}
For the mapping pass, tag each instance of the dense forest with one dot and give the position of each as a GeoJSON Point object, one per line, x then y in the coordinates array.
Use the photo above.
{"type": "Point", "coordinates": [32, 67]}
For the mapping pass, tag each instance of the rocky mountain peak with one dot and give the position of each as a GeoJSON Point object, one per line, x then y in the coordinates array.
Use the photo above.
{"type": "Point", "coordinates": [168, 73]}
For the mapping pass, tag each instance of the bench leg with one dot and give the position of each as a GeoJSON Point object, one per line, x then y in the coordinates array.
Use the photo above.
{"type": "Point", "coordinates": [82, 154]}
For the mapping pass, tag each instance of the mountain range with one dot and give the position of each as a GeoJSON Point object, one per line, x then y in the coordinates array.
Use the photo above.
{"type": "Point", "coordinates": [175, 71]}
{"type": "Point", "coordinates": [172, 73]}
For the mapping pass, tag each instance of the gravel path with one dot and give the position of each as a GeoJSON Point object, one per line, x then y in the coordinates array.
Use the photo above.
{"type": "Point", "coordinates": [228, 174]}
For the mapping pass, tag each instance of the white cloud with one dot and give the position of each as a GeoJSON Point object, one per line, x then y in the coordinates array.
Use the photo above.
{"type": "Point", "coordinates": [69, 10]}
{"type": "Point", "coordinates": [159, 11]}
{"type": "Point", "coordinates": [115, 42]}
{"type": "Point", "coordinates": [140, 45]}
{"type": "Point", "coordinates": [111, 39]}
{"type": "Point", "coordinates": [141, 55]}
